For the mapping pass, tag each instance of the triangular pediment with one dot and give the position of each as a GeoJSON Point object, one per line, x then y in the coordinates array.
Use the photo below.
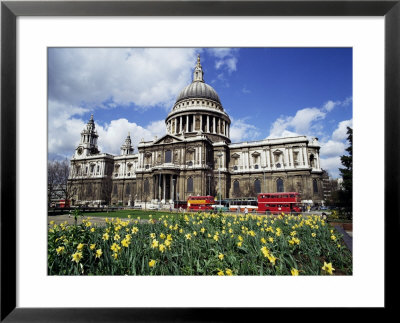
{"type": "Point", "coordinates": [167, 139]}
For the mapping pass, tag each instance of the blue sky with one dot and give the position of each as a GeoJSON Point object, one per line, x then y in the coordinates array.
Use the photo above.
{"type": "Point", "coordinates": [267, 92]}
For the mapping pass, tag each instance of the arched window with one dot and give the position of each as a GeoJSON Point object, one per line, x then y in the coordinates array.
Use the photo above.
{"type": "Point", "coordinates": [146, 187]}
{"type": "Point", "coordinates": [315, 186]}
{"type": "Point", "coordinates": [236, 187]}
{"type": "Point", "coordinates": [312, 161]}
{"type": "Point", "coordinates": [279, 185]}
{"type": "Point", "coordinates": [115, 191]}
{"type": "Point", "coordinates": [190, 184]}
{"type": "Point", "coordinates": [168, 156]}
{"type": "Point", "coordinates": [257, 186]}
{"type": "Point", "coordinates": [128, 189]}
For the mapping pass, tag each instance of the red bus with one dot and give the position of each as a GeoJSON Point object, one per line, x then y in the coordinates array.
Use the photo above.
{"type": "Point", "coordinates": [272, 203]}
{"type": "Point", "coordinates": [200, 203]}
{"type": "Point", "coordinates": [63, 203]}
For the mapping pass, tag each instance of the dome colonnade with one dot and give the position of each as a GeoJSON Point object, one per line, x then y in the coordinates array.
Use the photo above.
{"type": "Point", "coordinates": [198, 109]}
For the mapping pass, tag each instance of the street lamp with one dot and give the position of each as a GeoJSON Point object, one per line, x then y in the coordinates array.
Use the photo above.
{"type": "Point", "coordinates": [263, 167]}
{"type": "Point", "coordinates": [219, 179]}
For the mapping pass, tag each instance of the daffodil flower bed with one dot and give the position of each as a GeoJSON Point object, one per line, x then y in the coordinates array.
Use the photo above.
{"type": "Point", "coordinates": [199, 244]}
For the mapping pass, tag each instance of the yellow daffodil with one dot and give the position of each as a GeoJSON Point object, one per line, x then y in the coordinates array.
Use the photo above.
{"type": "Point", "coordinates": [152, 263]}
{"type": "Point", "coordinates": [221, 256]}
{"type": "Point", "coordinates": [80, 246]}
{"type": "Point", "coordinates": [125, 243]}
{"type": "Point", "coordinates": [228, 272]}
{"type": "Point", "coordinates": [98, 253]}
{"type": "Point", "coordinates": [328, 268]}
{"type": "Point", "coordinates": [60, 250]}
{"type": "Point", "coordinates": [77, 256]}
{"type": "Point", "coordinates": [294, 272]}
{"type": "Point", "coordinates": [161, 248]}
{"type": "Point", "coordinates": [106, 236]}
{"type": "Point", "coordinates": [92, 246]}
{"type": "Point", "coordinates": [115, 247]}
{"type": "Point", "coordinates": [154, 244]}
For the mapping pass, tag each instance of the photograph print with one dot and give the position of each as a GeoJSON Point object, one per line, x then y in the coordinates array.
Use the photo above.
{"type": "Point", "coordinates": [200, 161]}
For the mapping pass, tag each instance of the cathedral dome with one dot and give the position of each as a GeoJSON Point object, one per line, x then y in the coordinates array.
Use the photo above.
{"type": "Point", "coordinates": [198, 89]}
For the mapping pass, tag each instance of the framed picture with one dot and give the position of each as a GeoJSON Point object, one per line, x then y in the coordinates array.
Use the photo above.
{"type": "Point", "coordinates": [21, 235]}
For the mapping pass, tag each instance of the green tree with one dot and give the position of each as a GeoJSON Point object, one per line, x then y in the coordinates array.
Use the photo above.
{"type": "Point", "coordinates": [347, 175]}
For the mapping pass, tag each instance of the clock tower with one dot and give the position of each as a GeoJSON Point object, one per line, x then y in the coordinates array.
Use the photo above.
{"type": "Point", "coordinates": [88, 143]}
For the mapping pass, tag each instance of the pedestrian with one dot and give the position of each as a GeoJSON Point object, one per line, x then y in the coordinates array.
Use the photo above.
{"type": "Point", "coordinates": [237, 210]}
{"type": "Point", "coordinates": [246, 211]}
{"type": "Point", "coordinates": [170, 208]}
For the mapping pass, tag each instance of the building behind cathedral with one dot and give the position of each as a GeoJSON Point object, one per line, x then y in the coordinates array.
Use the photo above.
{"type": "Point", "coordinates": [195, 157]}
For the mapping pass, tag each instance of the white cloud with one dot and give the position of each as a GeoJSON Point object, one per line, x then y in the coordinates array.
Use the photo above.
{"type": "Point", "coordinates": [143, 76]}
{"type": "Point", "coordinates": [341, 132]}
{"type": "Point", "coordinates": [112, 135]}
{"type": "Point", "coordinates": [226, 58]}
{"type": "Point", "coordinates": [63, 129]}
{"type": "Point", "coordinates": [332, 165]}
{"type": "Point", "coordinates": [330, 105]}
{"type": "Point", "coordinates": [240, 130]}
{"type": "Point", "coordinates": [332, 148]}
{"type": "Point", "coordinates": [300, 124]}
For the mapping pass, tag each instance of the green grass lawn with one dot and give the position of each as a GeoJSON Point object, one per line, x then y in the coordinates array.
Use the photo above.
{"type": "Point", "coordinates": [134, 214]}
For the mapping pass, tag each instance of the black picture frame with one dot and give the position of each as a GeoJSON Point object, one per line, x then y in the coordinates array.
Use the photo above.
{"type": "Point", "coordinates": [10, 10]}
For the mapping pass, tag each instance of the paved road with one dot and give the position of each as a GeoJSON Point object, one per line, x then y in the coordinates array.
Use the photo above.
{"type": "Point", "coordinates": [58, 219]}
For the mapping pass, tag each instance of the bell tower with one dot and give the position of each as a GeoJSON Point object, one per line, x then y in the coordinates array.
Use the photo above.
{"type": "Point", "coordinates": [127, 148]}
{"type": "Point", "coordinates": [88, 144]}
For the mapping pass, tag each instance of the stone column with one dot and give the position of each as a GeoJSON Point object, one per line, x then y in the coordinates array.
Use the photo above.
{"type": "Point", "coordinates": [175, 125]}
{"type": "Point", "coordinates": [301, 158]}
{"type": "Point", "coordinates": [305, 156]}
{"type": "Point", "coordinates": [159, 186]}
{"type": "Point", "coordinates": [208, 124]}
{"type": "Point", "coordinates": [180, 124]}
{"type": "Point", "coordinates": [214, 125]}
{"type": "Point", "coordinates": [291, 156]}
{"type": "Point", "coordinates": [201, 122]}
{"type": "Point", "coordinates": [171, 187]}
{"type": "Point", "coordinates": [187, 123]}
{"type": "Point", "coordinates": [164, 186]}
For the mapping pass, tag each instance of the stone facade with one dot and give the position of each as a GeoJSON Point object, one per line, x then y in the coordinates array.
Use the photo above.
{"type": "Point", "coordinates": [195, 157]}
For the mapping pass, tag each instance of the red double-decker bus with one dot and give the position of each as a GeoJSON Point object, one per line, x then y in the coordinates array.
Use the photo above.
{"type": "Point", "coordinates": [200, 202]}
{"type": "Point", "coordinates": [273, 203]}
{"type": "Point", "coordinates": [63, 203]}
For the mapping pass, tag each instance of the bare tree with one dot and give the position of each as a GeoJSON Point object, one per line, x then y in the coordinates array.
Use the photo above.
{"type": "Point", "coordinates": [57, 181]}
